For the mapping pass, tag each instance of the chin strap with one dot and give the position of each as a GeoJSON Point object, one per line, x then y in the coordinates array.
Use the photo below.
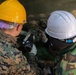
{"type": "Point", "coordinates": [70, 40]}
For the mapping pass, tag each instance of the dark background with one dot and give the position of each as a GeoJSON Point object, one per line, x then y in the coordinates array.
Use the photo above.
{"type": "Point", "coordinates": [36, 7]}
{"type": "Point", "coordinates": [46, 6]}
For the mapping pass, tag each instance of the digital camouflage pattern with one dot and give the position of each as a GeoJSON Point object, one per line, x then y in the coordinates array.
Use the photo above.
{"type": "Point", "coordinates": [12, 62]}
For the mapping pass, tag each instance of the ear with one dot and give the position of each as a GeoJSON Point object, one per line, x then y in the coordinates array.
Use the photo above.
{"type": "Point", "coordinates": [19, 27]}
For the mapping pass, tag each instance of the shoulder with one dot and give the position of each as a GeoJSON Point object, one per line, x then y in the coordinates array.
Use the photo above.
{"type": "Point", "coordinates": [7, 50]}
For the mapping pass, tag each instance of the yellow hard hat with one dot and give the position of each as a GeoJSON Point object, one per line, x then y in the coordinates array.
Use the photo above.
{"type": "Point", "coordinates": [12, 11]}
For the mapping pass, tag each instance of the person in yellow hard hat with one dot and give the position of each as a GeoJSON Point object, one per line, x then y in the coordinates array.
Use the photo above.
{"type": "Point", "coordinates": [12, 18]}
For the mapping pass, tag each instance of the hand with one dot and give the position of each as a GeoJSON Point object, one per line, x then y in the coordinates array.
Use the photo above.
{"type": "Point", "coordinates": [43, 36]}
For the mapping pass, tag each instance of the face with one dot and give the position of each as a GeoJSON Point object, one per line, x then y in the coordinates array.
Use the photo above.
{"type": "Point", "coordinates": [55, 44]}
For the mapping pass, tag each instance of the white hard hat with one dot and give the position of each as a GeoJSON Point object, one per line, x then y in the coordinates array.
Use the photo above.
{"type": "Point", "coordinates": [61, 25]}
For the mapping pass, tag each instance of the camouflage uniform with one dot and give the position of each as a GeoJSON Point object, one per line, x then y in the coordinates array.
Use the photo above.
{"type": "Point", "coordinates": [12, 62]}
{"type": "Point", "coordinates": [67, 66]}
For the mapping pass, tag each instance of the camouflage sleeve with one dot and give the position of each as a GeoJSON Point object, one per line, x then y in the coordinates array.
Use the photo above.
{"type": "Point", "coordinates": [14, 63]}
{"type": "Point", "coordinates": [68, 64]}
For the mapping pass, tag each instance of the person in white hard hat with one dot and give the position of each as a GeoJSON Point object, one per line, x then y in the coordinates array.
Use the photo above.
{"type": "Point", "coordinates": [61, 33]}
